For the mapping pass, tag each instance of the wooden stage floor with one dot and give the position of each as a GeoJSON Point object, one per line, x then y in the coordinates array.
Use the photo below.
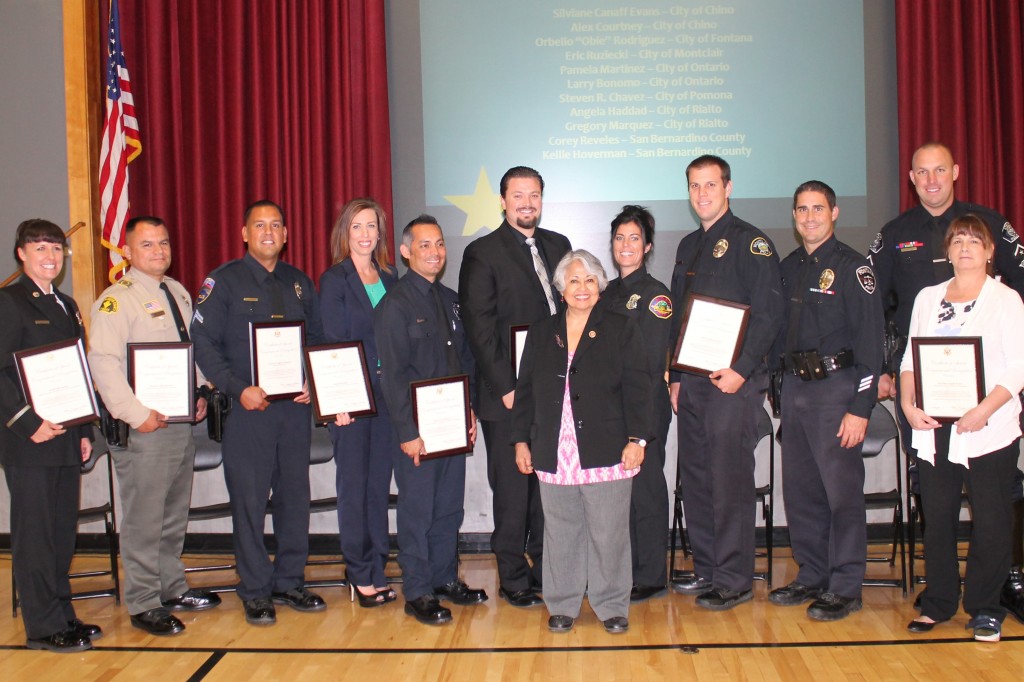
{"type": "Point", "coordinates": [669, 639]}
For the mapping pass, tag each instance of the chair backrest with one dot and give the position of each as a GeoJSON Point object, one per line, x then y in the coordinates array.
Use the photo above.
{"type": "Point", "coordinates": [321, 447]}
{"type": "Point", "coordinates": [99, 448]}
{"type": "Point", "coordinates": [208, 453]}
{"type": "Point", "coordinates": [881, 429]}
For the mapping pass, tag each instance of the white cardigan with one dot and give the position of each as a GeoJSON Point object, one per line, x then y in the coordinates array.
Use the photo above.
{"type": "Point", "coordinates": [998, 318]}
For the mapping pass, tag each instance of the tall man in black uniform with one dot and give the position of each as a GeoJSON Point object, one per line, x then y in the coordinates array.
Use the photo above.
{"type": "Point", "coordinates": [908, 256]}
{"type": "Point", "coordinates": [266, 444]}
{"type": "Point", "coordinates": [643, 298]}
{"type": "Point", "coordinates": [717, 415]}
{"type": "Point", "coordinates": [420, 336]}
{"type": "Point", "coordinates": [831, 354]}
{"type": "Point", "coordinates": [505, 280]}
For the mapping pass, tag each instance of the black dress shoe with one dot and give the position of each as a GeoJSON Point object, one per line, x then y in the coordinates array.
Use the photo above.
{"type": "Point", "coordinates": [300, 599]}
{"type": "Point", "coordinates": [158, 622]}
{"type": "Point", "coordinates": [919, 626]}
{"type": "Point", "coordinates": [793, 594]}
{"type": "Point", "coordinates": [641, 593]}
{"type": "Point", "coordinates": [1012, 596]}
{"type": "Point", "coordinates": [616, 625]}
{"type": "Point", "coordinates": [831, 606]}
{"type": "Point", "coordinates": [66, 642]}
{"type": "Point", "coordinates": [691, 584]}
{"type": "Point", "coordinates": [721, 599]}
{"type": "Point", "coordinates": [85, 629]}
{"type": "Point", "coordinates": [522, 599]}
{"type": "Point", "coordinates": [458, 592]}
{"type": "Point", "coordinates": [193, 600]}
{"type": "Point", "coordinates": [560, 623]}
{"type": "Point", "coordinates": [260, 611]}
{"type": "Point", "coordinates": [428, 610]}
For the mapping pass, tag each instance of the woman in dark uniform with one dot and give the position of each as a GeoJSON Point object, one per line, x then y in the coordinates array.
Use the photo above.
{"type": "Point", "coordinates": [363, 449]}
{"type": "Point", "coordinates": [637, 294]}
{"type": "Point", "coordinates": [41, 459]}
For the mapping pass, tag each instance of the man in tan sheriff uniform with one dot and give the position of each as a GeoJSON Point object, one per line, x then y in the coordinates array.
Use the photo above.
{"type": "Point", "coordinates": [155, 471]}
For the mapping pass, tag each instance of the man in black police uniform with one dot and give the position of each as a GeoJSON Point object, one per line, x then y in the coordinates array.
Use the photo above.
{"type": "Point", "coordinates": [717, 415]}
{"type": "Point", "coordinates": [908, 256]}
{"type": "Point", "coordinates": [831, 354]}
{"type": "Point", "coordinates": [266, 444]}
{"type": "Point", "coordinates": [420, 336]}
{"type": "Point", "coordinates": [505, 280]}
{"type": "Point", "coordinates": [637, 294]}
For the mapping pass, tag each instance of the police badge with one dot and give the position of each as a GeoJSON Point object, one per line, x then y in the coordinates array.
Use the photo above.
{"type": "Point", "coordinates": [631, 303]}
{"type": "Point", "coordinates": [1009, 234]}
{"type": "Point", "coordinates": [826, 278]}
{"type": "Point", "coordinates": [876, 245]}
{"type": "Point", "coordinates": [721, 246]}
{"type": "Point", "coordinates": [298, 291]}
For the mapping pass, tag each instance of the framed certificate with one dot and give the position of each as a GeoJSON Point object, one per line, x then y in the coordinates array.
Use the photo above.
{"type": "Point", "coordinates": [339, 381]}
{"type": "Point", "coordinates": [516, 342]}
{"type": "Point", "coordinates": [711, 336]}
{"type": "Point", "coordinates": [56, 381]}
{"type": "Point", "coordinates": [275, 351]}
{"type": "Point", "coordinates": [163, 378]}
{"type": "Point", "coordinates": [949, 376]}
{"type": "Point", "coordinates": [440, 408]}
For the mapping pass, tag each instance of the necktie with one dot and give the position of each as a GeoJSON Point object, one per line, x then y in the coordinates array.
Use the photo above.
{"type": "Point", "coordinates": [542, 273]}
{"type": "Point", "coordinates": [451, 355]}
{"type": "Point", "coordinates": [276, 297]}
{"type": "Point", "coordinates": [175, 313]}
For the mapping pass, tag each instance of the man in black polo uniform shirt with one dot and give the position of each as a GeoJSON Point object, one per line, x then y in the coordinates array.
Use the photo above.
{"type": "Point", "coordinates": [717, 415]}
{"type": "Point", "coordinates": [908, 256]}
{"type": "Point", "coordinates": [831, 353]}
{"type": "Point", "coordinates": [420, 335]}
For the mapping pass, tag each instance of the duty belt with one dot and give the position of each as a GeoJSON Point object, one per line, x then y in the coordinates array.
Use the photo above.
{"type": "Point", "coordinates": [810, 366]}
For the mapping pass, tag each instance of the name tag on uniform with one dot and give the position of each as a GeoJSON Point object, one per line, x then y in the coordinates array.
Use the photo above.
{"type": "Point", "coordinates": [250, 300]}
{"type": "Point", "coordinates": [42, 322]}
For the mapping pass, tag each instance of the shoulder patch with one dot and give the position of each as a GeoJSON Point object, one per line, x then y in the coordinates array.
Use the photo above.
{"type": "Point", "coordinates": [661, 307]}
{"type": "Point", "coordinates": [108, 305]}
{"type": "Point", "coordinates": [205, 290]}
{"type": "Point", "coordinates": [760, 247]}
{"type": "Point", "coordinates": [1009, 234]}
{"type": "Point", "coordinates": [876, 245]}
{"type": "Point", "coordinates": [866, 278]}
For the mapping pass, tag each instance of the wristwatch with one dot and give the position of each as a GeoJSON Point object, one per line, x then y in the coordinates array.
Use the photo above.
{"type": "Point", "coordinates": [639, 441]}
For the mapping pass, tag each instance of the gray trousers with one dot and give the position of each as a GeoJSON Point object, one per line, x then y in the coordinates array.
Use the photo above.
{"type": "Point", "coordinates": [586, 548]}
{"type": "Point", "coordinates": [155, 479]}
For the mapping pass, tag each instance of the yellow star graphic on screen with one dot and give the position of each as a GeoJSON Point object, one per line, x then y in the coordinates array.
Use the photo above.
{"type": "Point", "coordinates": [482, 207]}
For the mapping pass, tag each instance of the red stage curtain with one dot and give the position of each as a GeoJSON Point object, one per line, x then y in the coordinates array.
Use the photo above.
{"type": "Point", "coordinates": [960, 73]}
{"type": "Point", "coordinates": [241, 100]}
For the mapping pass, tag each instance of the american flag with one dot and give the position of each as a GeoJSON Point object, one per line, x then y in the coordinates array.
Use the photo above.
{"type": "Point", "coordinates": [120, 145]}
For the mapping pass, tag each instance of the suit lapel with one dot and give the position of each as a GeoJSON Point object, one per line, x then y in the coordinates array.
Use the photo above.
{"type": "Point", "coordinates": [356, 285]}
{"type": "Point", "coordinates": [590, 332]}
{"type": "Point", "coordinates": [520, 255]}
{"type": "Point", "coordinates": [49, 309]}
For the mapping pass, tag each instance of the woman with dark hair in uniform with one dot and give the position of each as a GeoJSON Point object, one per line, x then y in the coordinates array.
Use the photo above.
{"type": "Point", "coordinates": [41, 459]}
{"type": "Point", "coordinates": [640, 296]}
{"type": "Point", "coordinates": [363, 449]}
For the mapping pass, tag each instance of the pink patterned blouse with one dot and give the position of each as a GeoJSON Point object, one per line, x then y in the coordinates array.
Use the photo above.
{"type": "Point", "coordinates": [568, 471]}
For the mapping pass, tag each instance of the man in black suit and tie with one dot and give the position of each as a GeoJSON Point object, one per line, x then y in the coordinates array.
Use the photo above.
{"type": "Point", "coordinates": [505, 280]}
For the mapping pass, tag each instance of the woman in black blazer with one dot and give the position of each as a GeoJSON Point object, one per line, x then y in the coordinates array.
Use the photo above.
{"type": "Point", "coordinates": [41, 459]}
{"type": "Point", "coordinates": [363, 448]}
{"type": "Point", "coordinates": [580, 421]}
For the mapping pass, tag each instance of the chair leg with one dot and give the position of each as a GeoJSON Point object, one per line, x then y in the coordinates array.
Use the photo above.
{"type": "Point", "coordinates": [113, 548]}
{"type": "Point", "coordinates": [769, 530]}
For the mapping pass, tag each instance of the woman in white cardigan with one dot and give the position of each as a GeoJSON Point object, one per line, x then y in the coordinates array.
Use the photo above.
{"type": "Point", "coordinates": [980, 450]}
